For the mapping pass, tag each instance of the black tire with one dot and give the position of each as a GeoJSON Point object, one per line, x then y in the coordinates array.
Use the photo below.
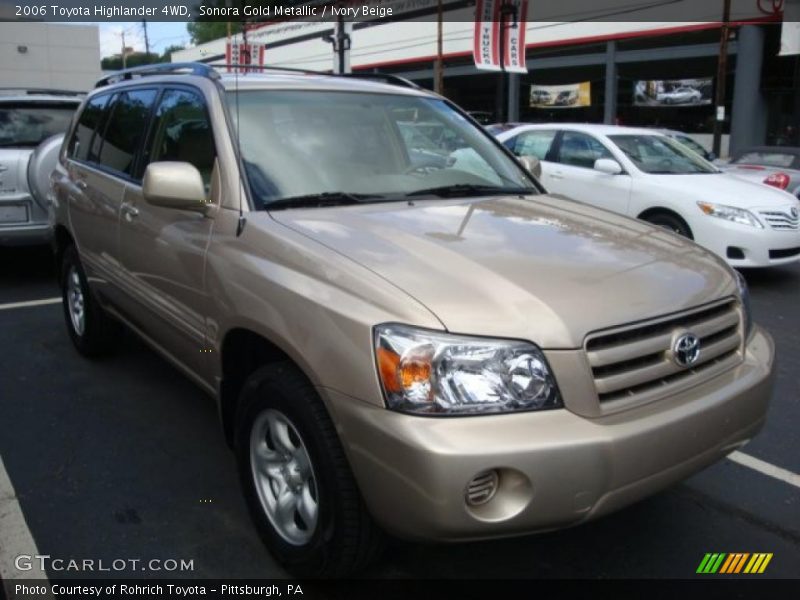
{"type": "Point", "coordinates": [99, 330]}
{"type": "Point", "coordinates": [345, 539]}
{"type": "Point", "coordinates": [669, 221]}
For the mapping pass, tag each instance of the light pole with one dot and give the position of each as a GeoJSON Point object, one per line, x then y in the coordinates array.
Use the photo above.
{"type": "Point", "coordinates": [722, 70]}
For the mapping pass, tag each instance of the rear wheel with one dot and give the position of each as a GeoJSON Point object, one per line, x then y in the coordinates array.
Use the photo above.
{"type": "Point", "coordinates": [296, 478]}
{"type": "Point", "coordinates": [669, 221]}
{"type": "Point", "coordinates": [90, 328]}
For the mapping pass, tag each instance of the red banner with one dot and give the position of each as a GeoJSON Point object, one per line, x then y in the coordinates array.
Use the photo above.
{"type": "Point", "coordinates": [237, 53]}
{"type": "Point", "coordinates": [486, 46]}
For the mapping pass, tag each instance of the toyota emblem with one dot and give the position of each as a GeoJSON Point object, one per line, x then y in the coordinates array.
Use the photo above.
{"type": "Point", "coordinates": [686, 350]}
{"type": "Point", "coordinates": [795, 212]}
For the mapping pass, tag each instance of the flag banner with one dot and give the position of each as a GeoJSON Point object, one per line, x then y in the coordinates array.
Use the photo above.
{"type": "Point", "coordinates": [486, 49]}
{"type": "Point", "coordinates": [673, 92]}
{"type": "Point", "coordinates": [238, 53]}
{"type": "Point", "coordinates": [574, 95]}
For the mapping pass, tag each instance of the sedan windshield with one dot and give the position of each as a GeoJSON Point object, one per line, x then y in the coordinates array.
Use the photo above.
{"type": "Point", "coordinates": [353, 147]}
{"type": "Point", "coordinates": [658, 154]}
{"type": "Point", "coordinates": [27, 125]}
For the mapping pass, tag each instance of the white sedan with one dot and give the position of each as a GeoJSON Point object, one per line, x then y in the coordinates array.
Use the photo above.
{"type": "Point", "coordinates": [644, 174]}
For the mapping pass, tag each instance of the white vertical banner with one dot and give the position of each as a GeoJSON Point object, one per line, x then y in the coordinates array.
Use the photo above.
{"type": "Point", "coordinates": [486, 49]}
{"type": "Point", "coordinates": [515, 40]}
{"type": "Point", "coordinates": [790, 30]}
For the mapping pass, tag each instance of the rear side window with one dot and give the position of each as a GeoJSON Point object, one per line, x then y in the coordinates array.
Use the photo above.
{"type": "Point", "coordinates": [533, 143]}
{"type": "Point", "coordinates": [182, 132]}
{"type": "Point", "coordinates": [125, 128]}
{"type": "Point", "coordinates": [84, 130]}
{"type": "Point", "coordinates": [27, 125]}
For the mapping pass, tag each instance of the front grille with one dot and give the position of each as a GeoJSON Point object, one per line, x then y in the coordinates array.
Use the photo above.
{"type": "Point", "coordinates": [782, 221]}
{"type": "Point", "coordinates": [636, 363]}
{"type": "Point", "coordinates": [785, 253]}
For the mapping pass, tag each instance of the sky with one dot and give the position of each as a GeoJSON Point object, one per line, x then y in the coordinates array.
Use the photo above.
{"type": "Point", "coordinates": [161, 35]}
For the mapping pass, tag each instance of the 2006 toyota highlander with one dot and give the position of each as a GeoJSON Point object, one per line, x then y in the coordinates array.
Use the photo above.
{"type": "Point", "coordinates": [403, 331]}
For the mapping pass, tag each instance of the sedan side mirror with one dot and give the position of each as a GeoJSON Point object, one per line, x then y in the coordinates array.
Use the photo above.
{"type": "Point", "coordinates": [532, 165]}
{"type": "Point", "coordinates": [174, 185]}
{"type": "Point", "coordinates": [608, 166]}
{"type": "Point", "coordinates": [711, 157]}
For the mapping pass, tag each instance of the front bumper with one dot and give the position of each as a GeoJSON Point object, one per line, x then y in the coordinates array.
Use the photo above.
{"type": "Point", "coordinates": [755, 244]}
{"type": "Point", "coordinates": [556, 468]}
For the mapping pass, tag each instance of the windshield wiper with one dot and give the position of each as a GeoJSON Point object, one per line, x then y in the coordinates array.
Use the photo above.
{"type": "Point", "coordinates": [470, 189]}
{"type": "Point", "coordinates": [320, 200]}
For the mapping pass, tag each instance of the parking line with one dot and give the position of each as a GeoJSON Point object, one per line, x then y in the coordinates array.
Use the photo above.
{"type": "Point", "coordinates": [15, 537]}
{"type": "Point", "coordinates": [765, 468]}
{"type": "Point", "coordinates": [43, 302]}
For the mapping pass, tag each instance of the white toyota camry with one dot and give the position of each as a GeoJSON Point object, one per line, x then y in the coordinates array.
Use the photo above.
{"type": "Point", "coordinates": [644, 174]}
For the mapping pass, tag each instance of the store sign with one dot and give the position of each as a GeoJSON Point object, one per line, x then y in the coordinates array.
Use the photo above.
{"type": "Point", "coordinates": [486, 45]}
{"type": "Point", "coordinates": [574, 95]}
{"type": "Point", "coordinates": [238, 53]}
{"type": "Point", "coordinates": [790, 30]}
{"type": "Point", "coordinates": [673, 92]}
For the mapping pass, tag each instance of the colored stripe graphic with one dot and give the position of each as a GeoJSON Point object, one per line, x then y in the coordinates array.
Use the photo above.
{"type": "Point", "coordinates": [734, 563]}
{"type": "Point", "coordinates": [711, 562]}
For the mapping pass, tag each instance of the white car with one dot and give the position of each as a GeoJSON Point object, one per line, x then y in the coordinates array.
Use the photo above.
{"type": "Point", "coordinates": [644, 174]}
{"type": "Point", "coordinates": [682, 95]}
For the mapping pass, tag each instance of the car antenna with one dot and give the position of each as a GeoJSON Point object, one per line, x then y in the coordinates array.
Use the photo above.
{"type": "Point", "coordinates": [241, 222]}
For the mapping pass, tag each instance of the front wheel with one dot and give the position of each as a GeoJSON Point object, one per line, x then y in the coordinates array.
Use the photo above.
{"type": "Point", "coordinates": [296, 478]}
{"type": "Point", "coordinates": [671, 222]}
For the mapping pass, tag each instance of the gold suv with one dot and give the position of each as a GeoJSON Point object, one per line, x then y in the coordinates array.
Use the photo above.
{"type": "Point", "coordinates": [403, 331]}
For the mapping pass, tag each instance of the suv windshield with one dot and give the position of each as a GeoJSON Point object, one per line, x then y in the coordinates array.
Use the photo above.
{"type": "Point", "coordinates": [658, 154]}
{"type": "Point", "coordinates": [364, 147]}
{"type": "Point", "coordinates": [27, 125]}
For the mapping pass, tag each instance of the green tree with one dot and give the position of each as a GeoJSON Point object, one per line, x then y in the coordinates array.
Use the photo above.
{"type": "Point", "coordinates": [166, 56]}
{"type": "Point", "coordinates": [201, 32]}
{"type": "Point", "coordinates": [134, 59]}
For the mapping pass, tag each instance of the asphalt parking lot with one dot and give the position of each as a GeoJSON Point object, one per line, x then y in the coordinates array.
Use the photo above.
{"type": "Point", "coordinates": [123, 458]}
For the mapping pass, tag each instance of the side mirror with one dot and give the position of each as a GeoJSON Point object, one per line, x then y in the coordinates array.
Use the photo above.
{"type": "Point", "coordinates": [711, 157]}
{"type": "Point", "coordinates": [174, 185]}
{"type": "Point", "coordinates": [608, 166]}
{"type": "Point", "coordinates": [532, 165]}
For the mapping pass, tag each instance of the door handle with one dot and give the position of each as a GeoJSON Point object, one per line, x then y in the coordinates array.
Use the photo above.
{"type": "Point", "coordinates": [129, 211]}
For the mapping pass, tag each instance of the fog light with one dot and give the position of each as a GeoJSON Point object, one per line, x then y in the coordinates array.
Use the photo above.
{"type": "Point", "coordinates": [482, 488]}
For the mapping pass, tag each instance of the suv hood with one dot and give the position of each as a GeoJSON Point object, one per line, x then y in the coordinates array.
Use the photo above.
{"type": "Point", "coordinates": [545, 269]}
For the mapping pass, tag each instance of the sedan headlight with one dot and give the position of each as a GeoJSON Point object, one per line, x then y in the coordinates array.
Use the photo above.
{"type": "Point", "coordinates": [744, 295]}
{"type": "Point", "coordinates": [433, 373]}
{"type": "Point", "coordinates": [730, 213]}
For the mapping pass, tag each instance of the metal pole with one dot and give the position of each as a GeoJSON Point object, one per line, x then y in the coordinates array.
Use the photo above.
{"type": "Point", "coordinates": [146, 40]}
{"type": "Point", "coordinates": [438, 83]}
{"type": "Point", "coordinates": [722, 69]}
{"type": "Point", "coordinates": [124, 54]}
{"type": "Point", "coordinates": [501, 91]}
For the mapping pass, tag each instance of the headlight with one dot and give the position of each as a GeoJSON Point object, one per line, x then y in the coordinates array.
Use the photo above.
{"type": "Point", "coordinates": [744, 295]}
{"type": "Point", "coordinates": [730, 213]}
{"type": "Point", "coordinates": [432, 373]}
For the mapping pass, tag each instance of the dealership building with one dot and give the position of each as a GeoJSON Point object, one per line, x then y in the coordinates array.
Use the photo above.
{"type": "Point", "coordinates": [49, 55]}
{"type": "Point", "coordinates": [616, 61]}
